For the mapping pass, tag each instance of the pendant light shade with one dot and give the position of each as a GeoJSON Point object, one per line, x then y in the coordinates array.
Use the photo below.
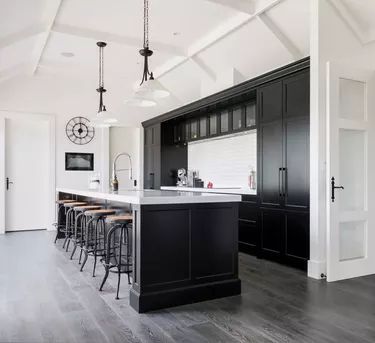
{"type": "Point", "coordinates": [103, 118]}
{"type": "Point", "coordinates": [152, 89]}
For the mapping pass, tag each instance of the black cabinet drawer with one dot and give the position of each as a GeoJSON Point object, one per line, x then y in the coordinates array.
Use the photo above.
{"type": "Point", "coordinates": [248, 211]}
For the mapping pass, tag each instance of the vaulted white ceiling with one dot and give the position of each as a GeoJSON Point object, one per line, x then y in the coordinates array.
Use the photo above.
{"type": "Point", "coordinates": [200, 47]}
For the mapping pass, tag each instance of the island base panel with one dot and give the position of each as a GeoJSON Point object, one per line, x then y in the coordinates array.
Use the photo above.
{"type": "Point", "coordinates": [182, 296]}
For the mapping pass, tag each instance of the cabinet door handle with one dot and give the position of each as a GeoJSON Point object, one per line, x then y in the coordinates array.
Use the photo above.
{"type": "Point", "coordinates": [280, 182]}
{"type": "Point", "coordinates": [152, 180]}
{"type": "Point", "coordinates": [284, 182]}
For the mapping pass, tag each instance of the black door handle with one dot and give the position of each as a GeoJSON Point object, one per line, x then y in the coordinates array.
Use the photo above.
{"type": "Point", "coordinates": [8, 183]}
{"type": "Point", "coordinates": [152, 186]}
{"type": "Point", "coordinates": [280, 190]}
{"type": "Point", "coordinates": [333, 187]}
{"type": "Point", "coordinates": [284, 182]}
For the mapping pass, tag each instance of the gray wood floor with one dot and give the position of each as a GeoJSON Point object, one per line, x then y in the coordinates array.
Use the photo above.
{"type": "Point", "coordinates": [44, 298]}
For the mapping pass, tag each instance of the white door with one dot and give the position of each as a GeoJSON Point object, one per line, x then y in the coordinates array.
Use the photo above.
{"type": "Point", "coordinates": [351, 162]}
{"type": "Point", "coordinates": [27, 154]}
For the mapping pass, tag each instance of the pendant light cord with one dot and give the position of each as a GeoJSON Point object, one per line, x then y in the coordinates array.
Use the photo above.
{"type": "Point", "coordinates": [145, 24]}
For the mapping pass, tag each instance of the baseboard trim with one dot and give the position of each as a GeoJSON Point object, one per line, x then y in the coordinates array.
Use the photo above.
{"type": "Point", "coordinates": [181, 296]}
{"type": "Point", "coordinates": [316, 269]}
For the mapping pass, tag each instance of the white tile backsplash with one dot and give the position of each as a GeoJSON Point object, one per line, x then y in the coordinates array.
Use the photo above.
{"type": "Point", "coordinates": [225, 161]}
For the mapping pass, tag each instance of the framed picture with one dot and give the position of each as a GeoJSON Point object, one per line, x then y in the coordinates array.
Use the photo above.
{"type": "Point", "coordinates": [79, 161]}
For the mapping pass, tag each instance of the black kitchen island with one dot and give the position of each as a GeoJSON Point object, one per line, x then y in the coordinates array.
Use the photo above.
{"type": "Point", "coordinates": [185, 245]}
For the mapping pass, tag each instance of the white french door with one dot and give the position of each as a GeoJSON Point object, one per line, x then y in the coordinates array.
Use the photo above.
{"type": "Point", "coordinates": [351, 162]}
{"type": "Point", "coordinates": [27, 173]}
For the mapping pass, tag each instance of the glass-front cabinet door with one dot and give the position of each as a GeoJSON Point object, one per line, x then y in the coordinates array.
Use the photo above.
{"type": "Point", "coordinates": [194, 129]}
{"type": "Point", "coordinates": [224, 121]}
{"type": "Point", "coordinates": [203, 127]}
{"type": "Point", "coordinates": [213, 124]}
{"type": "Point", "coordinates": [237, 118]}
{"type": "Point", "coordinates": [250, 114]}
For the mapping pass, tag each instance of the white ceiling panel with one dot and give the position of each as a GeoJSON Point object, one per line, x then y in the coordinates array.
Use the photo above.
{"type": "Point", "coordinates": [187, 19]}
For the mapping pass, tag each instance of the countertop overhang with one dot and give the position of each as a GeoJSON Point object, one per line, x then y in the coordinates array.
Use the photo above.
{"type": "Point", "coordinates": [153, 197]}
{"type": "Point", "coordinates": [227, 190]}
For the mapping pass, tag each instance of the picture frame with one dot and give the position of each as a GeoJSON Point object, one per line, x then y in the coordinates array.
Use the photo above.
{"type": "Point", "coordinates": [79, 161]}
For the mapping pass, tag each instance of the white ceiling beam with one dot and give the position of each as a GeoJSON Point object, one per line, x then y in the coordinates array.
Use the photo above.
{"type": "Point", "coordinates": [246, 6]}
{"type": "Point", "coordinates": [204, 67]}
{"type": "Point", "coordinates": [51, 14]}
{"type": "Point", "coordinates": [284, 40]}
{"type": "Point", "coordinates": [21, 35]}
{"type": "Point", "coordinates": [230, 26]}
{"type": "Point", "coordinates": [350, 21]}
{"type": "Point", "coordinates": [115, 38]}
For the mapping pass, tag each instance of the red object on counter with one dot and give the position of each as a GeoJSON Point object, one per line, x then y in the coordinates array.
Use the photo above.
{"type": "Point", "coordinates": [210, 185]}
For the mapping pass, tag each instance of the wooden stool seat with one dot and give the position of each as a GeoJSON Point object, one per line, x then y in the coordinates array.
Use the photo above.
{"type": "Point", "coordinates": [122, 219]}
{"type": "Point", "coordinates": [64, 201]}
{"type": "Point", "coordinates": [85, 208]}
{"type": "Point", "coordinates": [100, 213]}
{"type": "Point", "coordinates": [74, 204]}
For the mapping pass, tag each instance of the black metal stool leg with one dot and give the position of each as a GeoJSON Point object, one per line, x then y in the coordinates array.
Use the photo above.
{"type": "Point", "coordinates": [86, 246]}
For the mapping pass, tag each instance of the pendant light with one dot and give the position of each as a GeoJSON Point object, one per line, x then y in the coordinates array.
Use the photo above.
{"type": "Point", "coordinates": [149, 89]}
{"type": "Point", "coordinates": [103, 118]}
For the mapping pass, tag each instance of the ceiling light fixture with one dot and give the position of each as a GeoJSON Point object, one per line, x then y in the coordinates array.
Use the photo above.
{"type": "Point", "coordinates": [103, 118]}
{"type": "Point", "coordinates": [149, 87]}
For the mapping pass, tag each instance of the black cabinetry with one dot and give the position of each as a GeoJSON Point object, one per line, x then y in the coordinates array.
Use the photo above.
{"type": "Point", "coordinates": [275, 223]}
{"type": "Point", "coordinates": [152, 156]}
{"type": "Point", "coordinates": [283, 169]}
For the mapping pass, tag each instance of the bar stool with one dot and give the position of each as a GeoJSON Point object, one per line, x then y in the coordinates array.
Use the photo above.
{"type": "Point", "coordinates": [95, 235]}
{"type": "Point", "coordinates": [60, 225]}
{"type": "Point", "coordinates": [70, 219]}
{"type": "Point", "coordinates": [80, 223]}
{"type": "Point", "coordinates": [118, 248]}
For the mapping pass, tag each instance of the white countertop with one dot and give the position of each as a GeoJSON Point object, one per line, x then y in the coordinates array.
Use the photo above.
{"type": "Point", "coordinates": [153, 197]}
{"type": "Point", "coordinates": [218, 190]}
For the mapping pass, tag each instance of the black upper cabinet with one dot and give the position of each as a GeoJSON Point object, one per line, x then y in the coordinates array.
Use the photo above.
{"type": "Point", "coordinates": [270, 102]}
{"type": "Point", "coordinates": [297, 95]}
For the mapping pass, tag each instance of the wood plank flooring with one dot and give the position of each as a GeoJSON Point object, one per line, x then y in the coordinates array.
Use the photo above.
{"type": "Point", "coordinates": [44, 298]}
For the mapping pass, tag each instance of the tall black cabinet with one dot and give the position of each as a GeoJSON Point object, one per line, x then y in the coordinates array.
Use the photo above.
{"type": "Point", "coordinates": [283, 169]}
{"type": "Point", "coordinates": [152, 157]}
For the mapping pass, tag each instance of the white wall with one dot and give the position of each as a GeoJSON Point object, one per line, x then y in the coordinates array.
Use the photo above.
{"type": "Point", "coordinates": [331, 39]}
{"type": "Point", "coordinates": [225, 161]}
{"type": "Point", "coordinates": [126, 139]}
{"type": "Point", "coordinates": [99, 146]}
